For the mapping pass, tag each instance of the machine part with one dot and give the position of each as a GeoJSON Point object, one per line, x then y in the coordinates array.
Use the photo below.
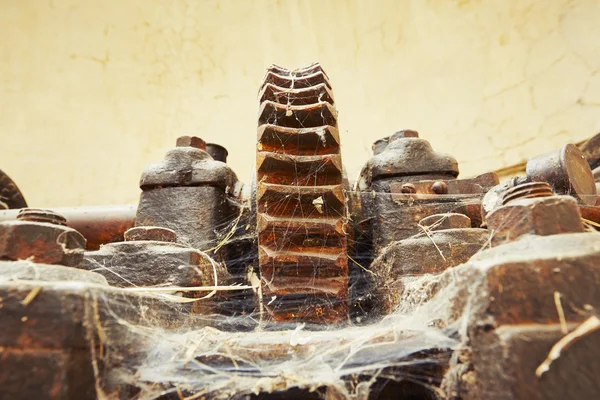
{"type": "Point", "coordinates": [590, 149]}
{"type": "Point", "coordinates": [42, 237]}
{"type": "Point", "coordinates": [529, 190]}
{"type": "Point", "coordinates": [494, 196]}
{"type": "Point", "coordinates": [149, 257]}
{"type": "Point", "coordinates": [567, 171]}
{"type": "Point", "coordinates": [447, 240]}
{"type": "Point", "coordinates": [217, 152]}
{"type": "Point", "coordinates": [406, 181]}
{"type": "Point", "coordinates": [405, 158]}
{"type": "Point", "coordinates": [395, 215]}
{"type": "Point", "coordinates": [514, 318]}
{"type": "Point", "coordinates": [301, 206]}
{"type": "Point", "coordinates": [98, 224]}
{"type": "Point", "coordinates": [190, 193]}
{"type": "Point", "coordinates": [59, 323]}
{"type": "Point", "coordinates": [10, 195]}
{"type": "Point", "coordinates": [43, 348]}
{"type": "Point", "coordinates": [542, 216]}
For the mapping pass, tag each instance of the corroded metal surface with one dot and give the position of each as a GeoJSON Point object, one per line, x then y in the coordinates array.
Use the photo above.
{"type": "Point", "coordinates": [524, 296]}
{"type": "Point", "coordinates": [42, 237]}
{"type": "Point", "coordinates": [406, 181]}
{"type": "Point", "coordinates": [98, 224]}
{"type": "Point", "coordinates": [482, 307]}
{"type": "Point", "coordinates": [190, 193]}
{"type": "Point", "coordinates": [300, 199]}
{"type": "Point", "coordinates": [446, 240]}
{"type": "Point", "coordinates": [10, 195]}
{"type": "Point", "coordinates": [542, 216]}
{"type": "Point", "coordinates": [567, 171]}
{"type": "Point", "coordinates": [149, 257]}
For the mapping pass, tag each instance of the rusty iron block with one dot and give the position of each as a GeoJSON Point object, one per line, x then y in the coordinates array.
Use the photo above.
{"type": "Point", "coordinates": [540, 216]}
{"type": "Point", "coordinates": [190, 193]}
{"type": "Point", "coordinates": [52, 324]}
{"type": "Point", "coordinates": [448, 242]}
{"type": "Point", "coordinates": [502, 364]}
{"type": "Point", "coordinates": [516, 283]}
{"type": "Point", "coordinates": [46, 374]}
{"type": "Point", "coordinates": [150, 257]}
{"type": "Point", "coordinates": [406, 181]}
{"type": "Point", "coordinates": [195, 213]}
{"type": "Point", "coordinates": [28, 270]}
{"type": "Point", "coordinates": [153, 263]}
{"type": "Point", "coordinates": [40, 236]}
{"type": "Point", "coordinates": [395, 209]}
{"type": "Point", "coordinates": [51, 316]}
{"type": "Point", "coordinates": [514, 300]}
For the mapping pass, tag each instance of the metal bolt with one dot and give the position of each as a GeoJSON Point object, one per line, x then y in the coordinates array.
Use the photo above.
{"type": "Point", "coordinates": [408, 188]}
{"type": "Point", "coordinates": [527, 191]}
{"type": "Point", "coordinates": [39, 215]}
{"type": "Point", "coordinates": [191, 141]}
{"type": "Point", "coordinates": [439, 187]}
{"type": "Point", "coordinates": [405, 133]}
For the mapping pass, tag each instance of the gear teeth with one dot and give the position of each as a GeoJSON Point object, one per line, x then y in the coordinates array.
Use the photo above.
{"type": "Point", "coordinates": [301, 221]}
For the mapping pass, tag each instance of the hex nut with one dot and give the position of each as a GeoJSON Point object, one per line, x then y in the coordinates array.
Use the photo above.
{"type": "Point", "coordinates": [41, 242]}
{"type": "Point", "coordinates": [542, 216]}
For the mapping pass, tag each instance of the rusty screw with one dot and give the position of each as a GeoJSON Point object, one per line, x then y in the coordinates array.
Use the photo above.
{"type": "Point", "coordinates": [191, 141]}
{"type": "Point", "coordinates": [528, 190]}
{"type": "Point", "coordinates": [39, 215]}
{"type": "Point", "coordinates": [408, 188]}
{"type": "Point", "coordinates": [41, 236]}
{"type": "Point", "coordinates": [439, 187]}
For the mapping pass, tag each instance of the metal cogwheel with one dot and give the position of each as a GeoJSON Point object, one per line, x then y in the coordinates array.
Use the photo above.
{"type": "Point", "coordinates": [10, 195]}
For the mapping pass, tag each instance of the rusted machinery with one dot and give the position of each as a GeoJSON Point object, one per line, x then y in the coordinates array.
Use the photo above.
{"type": "Point", "coordinates": [300, 199]}
{"type": "Point", "coordinates": [415, 284]}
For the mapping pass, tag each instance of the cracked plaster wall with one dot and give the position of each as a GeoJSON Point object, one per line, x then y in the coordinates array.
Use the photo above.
{"type": "Point", "coordinates": [92, 91]}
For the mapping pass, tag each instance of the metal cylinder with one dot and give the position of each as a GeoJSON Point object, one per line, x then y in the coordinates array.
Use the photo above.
{"type": "Point", "coordinates": [217, 152]}
{"type": "Point", "coordinates": [567, 171]}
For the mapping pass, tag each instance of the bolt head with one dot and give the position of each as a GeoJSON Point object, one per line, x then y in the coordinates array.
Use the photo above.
{"type": "Point", "coordinates": [191, 141]}
{"type": "Point", "coordinates": [405, 133]}
{"type": "Point", "coordinates": [41, 242]}
{"type": "Point", "coordinates": [541, 216]}
{"type": "Point", "coordinates": [439, 187]}
{"type": "Point", "coordinates": [408, 188]}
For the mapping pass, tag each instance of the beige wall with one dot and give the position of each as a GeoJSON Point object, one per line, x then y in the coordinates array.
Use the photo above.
{"type": "Point", "coordinates": [93, 90]}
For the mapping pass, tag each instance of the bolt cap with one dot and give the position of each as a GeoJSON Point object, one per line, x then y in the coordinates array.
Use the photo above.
{"type": "Point", "coordinates": [191, 141]}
